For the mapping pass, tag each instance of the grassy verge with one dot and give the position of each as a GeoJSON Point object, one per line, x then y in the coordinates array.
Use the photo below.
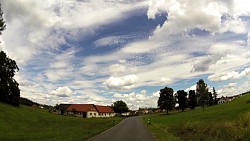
{"type": "Point", "coordinates": [229, 121]}
{"type": "Point", "coordinates": [28, 124]}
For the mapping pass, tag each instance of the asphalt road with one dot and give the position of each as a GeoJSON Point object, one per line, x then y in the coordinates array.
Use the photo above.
{"type": "Point", "coordinates": [131, 129]}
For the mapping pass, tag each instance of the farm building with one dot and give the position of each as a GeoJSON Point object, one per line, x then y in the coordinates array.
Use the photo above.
{"type": "Point", "coordinates": [90, 110]}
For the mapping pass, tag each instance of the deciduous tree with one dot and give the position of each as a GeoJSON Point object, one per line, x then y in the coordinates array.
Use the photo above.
{"type": "Point", "coordinates": [166, 100]}
{"type": "Point", "coordinates": [120, 107]}
{"type": "Point", "coordinates": [202, 93]}
{"type": "Point", "coordinates": [192, 99]}
{"type": "Point", "coordinates": [9, 90]}
{"type": "Point", "coordinates": [182, 99]}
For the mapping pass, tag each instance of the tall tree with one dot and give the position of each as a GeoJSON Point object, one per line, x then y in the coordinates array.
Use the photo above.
{"type": "Point", "coordinates": [120, 107]}
{"type": "Point", "coordinates": [210, 99]}
{"type": "Point", "coordinates": [215, 96]}
{"type": "Point", "coordinates": [166, 100]}
{"type": "Point", "coordinates": [192, 99]}
{"type": "Point", "coordinates": [202, 93]}
{"type": "Point", "coordinates": [9, 90]}
{"type": "Point", "coordinates": [182, 99]}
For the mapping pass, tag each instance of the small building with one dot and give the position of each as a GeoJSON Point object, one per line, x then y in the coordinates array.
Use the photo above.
{"type": "Point", "coordinates": [105, 111]}
{"type": "Point", "coordinates": [224, 100]}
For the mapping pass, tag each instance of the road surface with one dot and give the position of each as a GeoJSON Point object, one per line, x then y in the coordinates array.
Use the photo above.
{"type": "Point", "coordinates": [131, 129]}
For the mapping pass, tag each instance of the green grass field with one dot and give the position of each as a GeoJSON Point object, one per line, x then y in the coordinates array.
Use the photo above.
{"type": "Point", "coordinates": [229, 121]}
{"type": "Point", "coordinates": [29, 124]}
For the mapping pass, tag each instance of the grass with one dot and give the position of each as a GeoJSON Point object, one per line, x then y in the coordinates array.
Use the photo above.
{"type": "Point", "coordinates": [29, 124]}
{"type": "Point", "coordinates": [229, 121]}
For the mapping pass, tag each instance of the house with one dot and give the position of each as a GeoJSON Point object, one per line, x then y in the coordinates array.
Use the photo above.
{"type": "Point", "coordinates": [82, 110]}
{"type": "Point", "coordinates": [105, 111]}
{"type": "Point", "coordinates": [223, 100]}
{"type": "Point", "coordinates": [90, 110]}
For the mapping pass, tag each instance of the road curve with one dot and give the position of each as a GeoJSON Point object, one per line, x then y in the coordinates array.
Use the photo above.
{"type": "Point", "coordinates": [131, 129]}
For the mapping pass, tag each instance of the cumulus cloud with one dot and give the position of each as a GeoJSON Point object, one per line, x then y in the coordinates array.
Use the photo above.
{"type": "Point", "coordinates": [122, 83]}
{"type": "Point", "coordinates": [233, 89]}
{"type": "Point", "coordinates": [64, 91]}
{"type": "Point", "coordinates": [139, 100]}
{"type": "Point", "coordinates": [229, 75]}
{"type": "Point", "coordinates": [205, 15]}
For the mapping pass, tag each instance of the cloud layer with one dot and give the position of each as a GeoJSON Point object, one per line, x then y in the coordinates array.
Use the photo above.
{"type": "Point", "coordinates": [99, 52]}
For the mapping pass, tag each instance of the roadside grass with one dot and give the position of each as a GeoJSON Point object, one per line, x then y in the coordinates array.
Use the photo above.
{"type": "Point", "coordinates": [29, 124]}
{"type": "Point", "coordinates": [229, 121]}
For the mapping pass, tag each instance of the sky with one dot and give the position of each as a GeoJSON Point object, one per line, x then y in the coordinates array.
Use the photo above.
{"type": "Point", "coordinates": [101, 51]}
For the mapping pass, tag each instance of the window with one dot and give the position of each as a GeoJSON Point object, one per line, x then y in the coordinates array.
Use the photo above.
{"type": "Point", "coordinates": [90, 114]}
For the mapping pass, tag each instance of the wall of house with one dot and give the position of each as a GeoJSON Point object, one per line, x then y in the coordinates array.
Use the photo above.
{"type": "Point", "coordinates": [106, 114]}
{"type": "Point", "coordinates": [92, 114]}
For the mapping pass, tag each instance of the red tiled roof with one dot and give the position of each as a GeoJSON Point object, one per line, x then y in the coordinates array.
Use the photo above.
{"type": "Point", "coordinates": [82, 107]}
{"type": "Point", "coordinates": [104, 109]}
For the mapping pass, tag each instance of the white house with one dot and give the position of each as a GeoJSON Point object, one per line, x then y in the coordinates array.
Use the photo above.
{"type": "Point", "coordinates": [223, 100]}
{"type": "Point", "coordinates": [90, 110]}
{"type": "Point", "coordinates": [105, 111]}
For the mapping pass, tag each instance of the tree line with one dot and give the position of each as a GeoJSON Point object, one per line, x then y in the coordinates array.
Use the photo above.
{"type": "Point", "coordinates": [201, 97]}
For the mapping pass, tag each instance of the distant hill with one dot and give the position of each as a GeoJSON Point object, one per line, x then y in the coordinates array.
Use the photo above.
{"type": "Point", "coordinates": [28, 102]}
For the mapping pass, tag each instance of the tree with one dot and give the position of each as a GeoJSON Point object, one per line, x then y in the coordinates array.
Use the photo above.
{"type": "Point", "coordinates": [120, 107]}
{"type": "Point", "coordinates": [192, 99]}
{"type": "Point", "coordinates": [202, 93]}
{"type": "Point", "coordinates": [182, 99]}
{"type": "Point", "coordinates": [210, 99]}
{"type": "Point", "coordinates": [166, 100]}
{"type": "Point", "coordinates": [215, 96]}
{"type": "Point", "coordinates": [9, 90]}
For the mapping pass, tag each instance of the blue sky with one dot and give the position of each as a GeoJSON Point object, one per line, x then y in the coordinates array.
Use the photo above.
{"type": "Point", "coordinates": [78, 51]}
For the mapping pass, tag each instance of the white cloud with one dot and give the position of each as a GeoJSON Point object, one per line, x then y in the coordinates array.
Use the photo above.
{"type": "Point", "coordinates": [117, 69]}
{"type": "Point", "coordinates": [234, 89]}
{"type": "Point", "coordinates": [248, 39]}
{"type": "Point", "coordinates": [204, 64]}
{"type": "Point", "coordinates": [205, 15]}
{"type": "Point", "coordinates": [191, 88]}
{"type": "Point", "coordinates": [46, 23]}
{"type": "Point", "coordinates": [234, 25]}
{"type": "Point", "coordinates": [229, 75]}
{"type": "Point", "coordinates": [165, 80]}
{"type": "Point", "coordinates": [183, 15]}
{"type": "Point", "coordinates": [109, 41]}
{"type": "Point", "coordinates": [64, 91]}
{"type": "Point", "coordinates": [138, 100]}
{"type": "Point", "coordinates": [122, 83]}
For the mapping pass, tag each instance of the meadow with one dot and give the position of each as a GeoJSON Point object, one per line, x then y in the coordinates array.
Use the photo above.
{"type": "Point", "coordinates": [229, 121]}
{"type": "Point", "coordinates": [31, 124]}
